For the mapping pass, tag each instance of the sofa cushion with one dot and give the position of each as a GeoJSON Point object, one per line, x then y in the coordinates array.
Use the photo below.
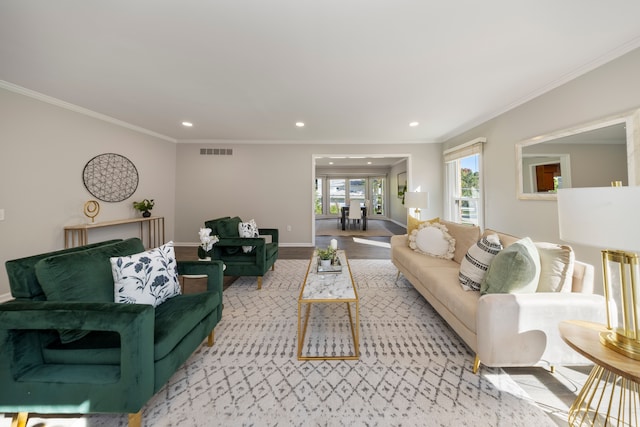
{"type": "Point", "coordinates": [228, 228]}
{"type": "Point", "coordinates": [179, 315]}
{"type": "Point", "coordinates": [22, 272]}
{"type": "Point", "coordinates": [213, 224]}
{"type": "Point", "coordinates": [556, 267]}
{"type": "Point", "coordinates": [442, 283]}
{"type": "Point", "coordinates": [515, 269]}
{"type": "Point", "coordinates": [173, 320]}
{"type": "Point", "coordinates": [82, 276]}
{"type": "Point", "coordinates": [476, 262]}
{"type": "Point", "coordinates": [505, 239]}
{"type": "Point", "coordinates": [415, 223]}
{"type": "Point", "coordinates": [433, 240]}
{"type": "Point", "coordinates": [465, 235]}
{"type": "Point", "coordinates": [149, 277]}
{"type": "Point", "coordinates": [248, 229]}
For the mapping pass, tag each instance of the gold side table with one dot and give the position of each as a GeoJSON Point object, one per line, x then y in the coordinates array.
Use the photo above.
{"type": "Point", "coordinates": [611, 394]}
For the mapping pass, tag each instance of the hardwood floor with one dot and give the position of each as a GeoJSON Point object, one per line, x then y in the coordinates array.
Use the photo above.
{"type": "Point", "coordinates": [554, 393]}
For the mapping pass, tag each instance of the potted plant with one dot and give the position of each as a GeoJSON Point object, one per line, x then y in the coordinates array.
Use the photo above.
{"type": "Point", "coordinates": [326, 256]}
{"type": "Point", "coordinates": [144, 206]}
{"type": "Point", "coordinates": [206, 243]}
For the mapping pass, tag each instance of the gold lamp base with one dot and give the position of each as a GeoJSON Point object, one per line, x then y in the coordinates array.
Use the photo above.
{"type": "Point", "coordinates": [621, 344]}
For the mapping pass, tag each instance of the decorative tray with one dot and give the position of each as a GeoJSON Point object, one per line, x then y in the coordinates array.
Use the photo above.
{"type": "Point", "coordinates": [333, 268]}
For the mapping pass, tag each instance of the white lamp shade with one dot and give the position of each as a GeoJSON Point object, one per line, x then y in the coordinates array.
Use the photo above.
{"type": "Point", "coordinates": [604, 217]}
{"type": "Point", "coordinates": [417, 200]}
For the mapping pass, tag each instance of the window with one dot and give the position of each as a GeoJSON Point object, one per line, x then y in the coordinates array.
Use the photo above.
{"type": "Point", "coordinates": [333, 192]}
{"type": "Point", "coordinates": [336, 195]}
{"type": "Point", "coordinates": [377, 196]}
{"type": "Point", "coordinates": [318, 197]}
{"type": "Point", "coordinates": [463, 183]}
{"type": "Point", "coordinates": [357, 189]}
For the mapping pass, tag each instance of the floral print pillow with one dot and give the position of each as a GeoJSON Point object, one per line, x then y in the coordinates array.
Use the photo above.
{"type": "Point", "coordinates": [149, 277]}
{"type": "Point", "coordinates": [248, 229]}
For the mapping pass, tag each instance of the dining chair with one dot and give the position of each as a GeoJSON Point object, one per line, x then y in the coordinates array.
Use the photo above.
{"type": "Point", "coordinates": [355, 213]}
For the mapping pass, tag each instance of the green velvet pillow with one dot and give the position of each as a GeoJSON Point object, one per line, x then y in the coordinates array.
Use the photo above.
{"type": "Point", "coordinates": [229, 228]}
{"type": "Point", "coordinates": [213, 224]}
{"type": "Point", "coordinates": [83, 276]}
{"type": "Point", "coordinates": [515, 269]}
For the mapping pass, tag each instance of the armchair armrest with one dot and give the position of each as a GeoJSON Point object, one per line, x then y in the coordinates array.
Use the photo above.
{"type": "Point", "coordinates": [134, 323]}
{"type": "Point", "coordinates": [240, 241]}
{"type": "Point", "coordinates": [273, 232]}
{"type": "Point", "coordinates": [522, 329]}
{"type": "Point", "coordinates": [213, 269]}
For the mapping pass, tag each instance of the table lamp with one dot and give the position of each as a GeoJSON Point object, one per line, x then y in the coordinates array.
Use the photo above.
{"type": "Point", "coordinates": [417, 200]}
{"type": "Point", "coordinates": [607, 217]}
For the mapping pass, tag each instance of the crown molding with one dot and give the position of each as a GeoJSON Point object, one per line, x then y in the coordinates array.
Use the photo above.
{"type": "Point", "coordinates": [77, 109]}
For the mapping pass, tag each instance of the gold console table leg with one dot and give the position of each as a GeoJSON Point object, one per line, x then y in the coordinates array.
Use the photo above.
{"type": "Point", "coordinates": [606, 399]}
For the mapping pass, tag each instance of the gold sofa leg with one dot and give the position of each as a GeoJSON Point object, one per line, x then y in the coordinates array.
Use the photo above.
{"type": "Point", "coordinates": [552, 369]}
{"type": "Point", "coordinates": [259, 282]}
{"type": "Point", "coordinates": [210, 339]}
{"type": "Point", "coordinates": [273, 267]}
{"type": "Point", "coordinates": [135, 420]}
{"type": "Point", "coordinates": [476, 365]}
{"type": "Point", "coordinates": [20, 419]}
{"type": "Point", "coordinates": [398, 275]}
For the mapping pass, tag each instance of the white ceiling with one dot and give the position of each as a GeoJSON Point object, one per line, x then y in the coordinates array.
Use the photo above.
{"type": "Point", "coordinates": [352, 70]}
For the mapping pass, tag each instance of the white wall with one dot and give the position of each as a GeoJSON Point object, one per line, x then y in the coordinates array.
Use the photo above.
{"type": "Point", "coordinates": [43, 150]}
{"type": "Point", "coordinates": [273, 184]}
{"type": "Point", "coordinates": [608, 90]}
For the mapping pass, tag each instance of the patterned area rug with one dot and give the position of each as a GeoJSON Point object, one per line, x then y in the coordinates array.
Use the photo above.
{"type": "Point", "coordinates": [413, 370]}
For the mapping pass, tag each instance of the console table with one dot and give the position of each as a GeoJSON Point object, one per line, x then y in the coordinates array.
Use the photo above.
{"type": "Point", "coordinates": [78, 235]}
{"type": "Point", "coordinates": [611, 394]}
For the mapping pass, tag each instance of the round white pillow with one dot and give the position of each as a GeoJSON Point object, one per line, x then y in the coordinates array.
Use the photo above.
{"type": "Point", "coordinates": [433, 239]}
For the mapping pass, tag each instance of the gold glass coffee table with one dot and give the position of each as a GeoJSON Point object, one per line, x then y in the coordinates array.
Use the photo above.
{"type": "Point", "coordinates": [328, 287]}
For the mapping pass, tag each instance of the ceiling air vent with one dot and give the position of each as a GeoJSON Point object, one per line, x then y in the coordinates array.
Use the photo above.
{"type": "Point", "coordinates": [216, 151]}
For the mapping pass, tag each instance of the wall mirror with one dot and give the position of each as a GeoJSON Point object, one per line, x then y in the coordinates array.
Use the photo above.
{"type": "Point", "coordinates": [591, 155]}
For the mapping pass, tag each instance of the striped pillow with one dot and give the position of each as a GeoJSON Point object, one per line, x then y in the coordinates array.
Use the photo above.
{"type": "Point", "coordinates": [476, 262]}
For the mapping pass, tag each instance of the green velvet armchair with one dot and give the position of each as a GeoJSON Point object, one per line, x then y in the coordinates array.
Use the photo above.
{"type": "Point", "coordinates": [129, 352]}
{"type": "Point", "coordinates": [242, 256]}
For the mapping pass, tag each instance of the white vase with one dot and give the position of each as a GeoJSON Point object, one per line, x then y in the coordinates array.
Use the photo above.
{"type": "Point", "coordinates": [325, 262]}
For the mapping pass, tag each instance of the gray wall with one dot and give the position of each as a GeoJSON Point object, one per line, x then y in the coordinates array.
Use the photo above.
{"type": "Point", "coordinates": [605, 91]}
{"type": "Point", "coordinates": [274, 184]}
{"type": "Point", "coordinates": [43, 150]}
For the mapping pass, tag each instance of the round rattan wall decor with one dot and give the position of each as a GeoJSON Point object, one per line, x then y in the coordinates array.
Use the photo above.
{"type": "Point", "coordinates": [110, 177]}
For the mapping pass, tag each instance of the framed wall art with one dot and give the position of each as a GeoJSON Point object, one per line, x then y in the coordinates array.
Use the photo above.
{"type": "Point", "coordinates": [402, 184]}
{"type": "Point", "coordinates": [110, 177]}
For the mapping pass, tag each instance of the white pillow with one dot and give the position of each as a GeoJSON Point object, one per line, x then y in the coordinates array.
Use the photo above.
{"type": "Point", "coordinates": [433, 239]}
{"type": "Point", "coordinates": [476, 262]}
{"type": "Point", "coordinates": [248, 229]}
{"type": "Point", "coordinates": [149, 277]}
{"type": "Point", "coordinates": [556, 267]}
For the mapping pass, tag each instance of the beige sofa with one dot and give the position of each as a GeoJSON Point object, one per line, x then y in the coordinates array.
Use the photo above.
{"type": "Point", "coordinates": [502, 329]}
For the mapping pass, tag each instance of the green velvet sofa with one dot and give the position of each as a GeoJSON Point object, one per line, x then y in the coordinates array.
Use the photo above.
{"type": "Point", "coordinates": [129, 352]}
{"type": "Point", "coordinates": [229, 249]}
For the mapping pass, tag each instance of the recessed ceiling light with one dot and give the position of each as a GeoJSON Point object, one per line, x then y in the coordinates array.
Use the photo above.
{"type": "Point", "coordinates": [300, 124]}
{"type": "Point", "coordinates": [187, 124]}
{"type": "Point", "coordinates": [330, 163]}
{"type": "Point", "coordinates": [369, 163]}
{"type": "Point", "coordinates": [414, 124]}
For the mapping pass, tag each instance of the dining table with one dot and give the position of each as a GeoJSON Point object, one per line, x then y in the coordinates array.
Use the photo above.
{"type": "Point", "coordinates": [345, 213]}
